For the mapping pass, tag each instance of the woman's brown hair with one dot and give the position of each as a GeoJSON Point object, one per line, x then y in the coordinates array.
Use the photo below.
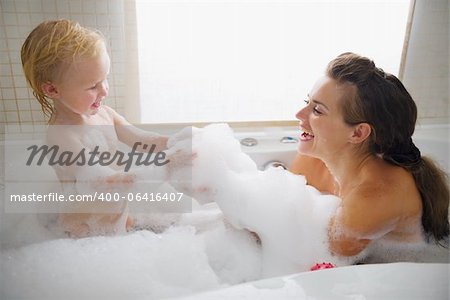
{"type": "Point", "coordinates": [382, 101]}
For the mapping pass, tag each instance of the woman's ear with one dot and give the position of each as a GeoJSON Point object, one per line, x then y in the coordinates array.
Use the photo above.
{"type": "Point", "coordinates": [360, 133]}
{"type": "Point", "coordinates": [50, 90]}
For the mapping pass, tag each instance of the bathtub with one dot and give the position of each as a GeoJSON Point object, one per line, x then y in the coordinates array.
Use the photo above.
{"type": "Point", "coordinates": [270, 146]}
{"type": "Point", "coordinates": [432, 140]}
{"type": "Point", "coordinates": [381, 281]}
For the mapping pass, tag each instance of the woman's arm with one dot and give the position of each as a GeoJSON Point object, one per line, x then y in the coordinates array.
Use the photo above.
{"type": "Point", "coordinates": [316, 173]}
{"type": "Point", "coordinates": [344, 244]}
{"type": "Point", "coordinates": [365, 215]}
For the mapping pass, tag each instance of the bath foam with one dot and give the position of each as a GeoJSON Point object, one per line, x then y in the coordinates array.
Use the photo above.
{"type": "Point", "coordinates": [199, 251]}
{"type": "Point", "coordinates": [194, 252]}
{"type": "Point", "coordinates": [141, 265]}
{"type": "Point", "coordinates": [290, 217]}
{"type": "Point", "coordinates": [17, 230]}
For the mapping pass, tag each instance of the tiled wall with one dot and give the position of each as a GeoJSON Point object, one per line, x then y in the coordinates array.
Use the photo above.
{"type": "Point", "coordinates": [19, 17]}
{"type": "Point", "coordinates": [427, 65]}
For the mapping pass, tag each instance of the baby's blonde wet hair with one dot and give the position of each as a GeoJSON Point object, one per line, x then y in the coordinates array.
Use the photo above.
{"type": "Point", "coordinates": [52, 45]}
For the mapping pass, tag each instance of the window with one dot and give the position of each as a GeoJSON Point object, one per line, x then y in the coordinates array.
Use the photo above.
{"type": "Point", "coordinates": [211, 61]}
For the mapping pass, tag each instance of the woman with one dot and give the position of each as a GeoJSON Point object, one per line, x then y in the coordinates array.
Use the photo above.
{"type": "Point", "coordinates": [356, 143]}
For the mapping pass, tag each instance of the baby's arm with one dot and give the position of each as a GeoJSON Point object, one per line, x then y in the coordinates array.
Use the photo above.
{"type": "Point", "coordinates": [79, 219]}
{"type": "Point", "coordinates": [129, 134]}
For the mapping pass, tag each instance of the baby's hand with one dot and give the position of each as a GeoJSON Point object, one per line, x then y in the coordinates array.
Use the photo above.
{"type": "Point", "coordinates": [185, 134]}
{"type": "Point", "coordinates": [180, 159]}
{"type": "Point", "coordinates": [80, 225]}
{"type": "Point", "coordinates": [181, 176]}
{"type": "Point", "coordinates": [180, 168]}
{"type": "Point", "coordinates": [129, 225]}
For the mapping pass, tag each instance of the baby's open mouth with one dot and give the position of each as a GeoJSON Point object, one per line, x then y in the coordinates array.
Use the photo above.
{"type": "Point", "coordinates": [97, 104]}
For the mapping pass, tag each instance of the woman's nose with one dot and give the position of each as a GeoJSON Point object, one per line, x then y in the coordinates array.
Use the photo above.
{"type": "Point", "coordinates": [301, 114]}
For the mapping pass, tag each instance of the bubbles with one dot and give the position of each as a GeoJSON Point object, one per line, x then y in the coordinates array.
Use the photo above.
{"type": "Point", "coordinates": [192, 252]}
{"type": "Point", "coordinates": [182, 253]}
{"type": "Point", "coordinates": [17, 230]}
{"type": "Point", "coordinates": [98, 268]}
{"type": "Point", "coordinates": [290, 217]}
{"type": "Point", "coordinates": [143, 264]}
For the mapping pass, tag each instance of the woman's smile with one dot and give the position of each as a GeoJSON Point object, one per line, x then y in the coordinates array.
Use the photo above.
{"type": "Point", "coordinates": [306, 136]}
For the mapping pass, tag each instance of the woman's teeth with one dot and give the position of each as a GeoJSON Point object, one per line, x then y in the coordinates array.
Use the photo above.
{"type": "Point", "coordinates": [306, 136]}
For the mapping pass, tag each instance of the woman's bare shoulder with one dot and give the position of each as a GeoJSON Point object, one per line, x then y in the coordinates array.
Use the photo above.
{"type": "Point", "coordinates": [382, 200]}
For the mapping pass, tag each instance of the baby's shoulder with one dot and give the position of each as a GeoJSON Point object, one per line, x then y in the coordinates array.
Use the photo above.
{"type": "Point", "coordinates": [107, 109]}
{"type": "Point", "coordinates": [111, 115]}
{"type": "Point", "coordinates": [106, 113]}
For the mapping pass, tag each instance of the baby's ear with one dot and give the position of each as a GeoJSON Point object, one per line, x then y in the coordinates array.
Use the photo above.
{"type": "Point", "coordinates": [50, 90]}
{"type": "Point", "coordinates": [360, 133]}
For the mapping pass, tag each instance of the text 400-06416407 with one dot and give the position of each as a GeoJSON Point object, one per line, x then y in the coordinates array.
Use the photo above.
{"type": "Point", "coordinates": [142, 197]}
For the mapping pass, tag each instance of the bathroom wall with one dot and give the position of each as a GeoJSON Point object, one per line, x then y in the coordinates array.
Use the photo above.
{"type": "Point", "coordinates": [19, 17]}
{"type": "Point", "coordinates": [426, 73]}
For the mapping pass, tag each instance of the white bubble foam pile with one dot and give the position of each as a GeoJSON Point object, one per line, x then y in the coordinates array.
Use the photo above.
{"type": "Point", "coordinates": [290, 217]}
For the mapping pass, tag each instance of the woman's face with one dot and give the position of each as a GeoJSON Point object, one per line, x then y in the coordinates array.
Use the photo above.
{"type": "Point", "coordinates": [324, 134]}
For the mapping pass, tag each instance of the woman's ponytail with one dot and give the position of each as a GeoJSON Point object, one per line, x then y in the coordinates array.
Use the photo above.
{"type": "Point", "coordinates": [382, 101]}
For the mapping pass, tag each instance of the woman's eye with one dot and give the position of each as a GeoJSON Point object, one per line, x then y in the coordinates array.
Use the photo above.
{"type": "Point", "coordinates": [316, 111]}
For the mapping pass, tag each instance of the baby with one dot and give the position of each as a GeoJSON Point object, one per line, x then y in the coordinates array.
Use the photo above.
{"type": "Point", "coordinates": [67, 66]}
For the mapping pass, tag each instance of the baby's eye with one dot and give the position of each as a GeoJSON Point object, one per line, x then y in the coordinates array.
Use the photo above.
{"type": "Point", "coordinates": [306, 101]}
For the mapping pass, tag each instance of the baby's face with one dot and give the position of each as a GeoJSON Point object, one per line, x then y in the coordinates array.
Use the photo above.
{"type": "Point", "coordinates": [83, 86]}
